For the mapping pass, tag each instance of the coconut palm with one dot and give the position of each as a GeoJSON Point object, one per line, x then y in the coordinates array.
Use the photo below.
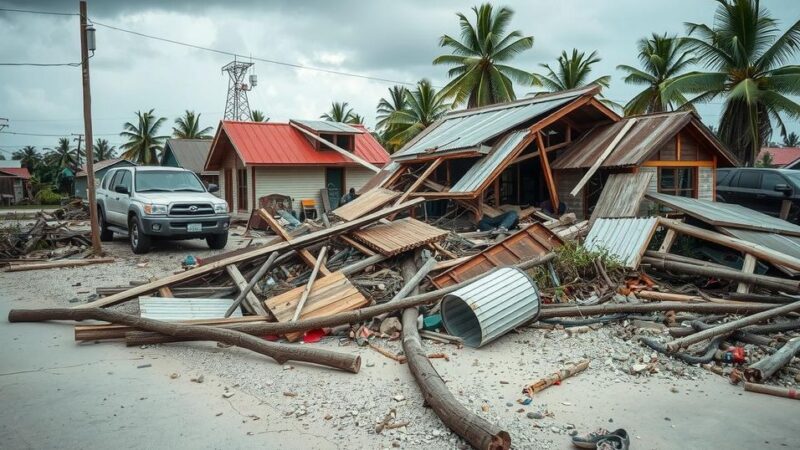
{"type": "Point", "coordinates": [188, 127]}
{"type": "Point", "coordinates": [481, 75]}
{"type": "Point", "coordinates": [662, 57]}
{"type": "Point", "coordinates": [748, 61]}
{"type": "Point", "coordinates": [571, 71]}
{"type": "Point", "coordinates": [258, 116]}
{"type": "Point", "coordinates": [28, 157]}
{"type": "Point", "coordinates": [62, 156]}
{"type": "Point", "coordinates": [356, 119]}
{"type": "Point", "coordinates": [790, 140]}
{"type": "Point", "coordinates": [386, 107]}
{"type": "Point", "coordinates": [143, 143]}
{"type": "Point", "coordinates": [102, 150]}
{"type": "Point", "coordinates": [423, 107]}
{"type": "Point", "coordinates": [339, 112]}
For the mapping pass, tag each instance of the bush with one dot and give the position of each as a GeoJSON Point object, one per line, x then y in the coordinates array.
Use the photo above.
{"type": "Point", "coordinates": [48, 197]}
{"type": "Point", "coordinates": [574, 262]}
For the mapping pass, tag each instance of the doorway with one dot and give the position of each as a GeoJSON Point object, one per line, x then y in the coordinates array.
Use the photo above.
{"type": "Point", "coordinates": [229, 188]}
{"type": "Point", "coordinates": [334, 182]}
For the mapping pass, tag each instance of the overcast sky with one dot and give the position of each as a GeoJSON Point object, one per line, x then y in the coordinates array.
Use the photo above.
{"type": "Point", "coordinates": [395, 40]}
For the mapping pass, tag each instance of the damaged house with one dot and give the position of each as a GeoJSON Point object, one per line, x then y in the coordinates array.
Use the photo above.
{"type": "Point", "coordinates": [303, 160]}
{"type": "Point", "coordinates": [551, 149]}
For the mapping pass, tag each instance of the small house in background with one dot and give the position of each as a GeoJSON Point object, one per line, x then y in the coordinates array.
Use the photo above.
{"type": "Point", "coordinates": [100, 169]}
{"type": "Point", "coordinates": [294, 159]}
{"type": "Point", "coordinates": [15, 183]}
{"type": "Point", "coordinates": [781, 157]}
{"type": "Point", "coordinates": [190, 154]}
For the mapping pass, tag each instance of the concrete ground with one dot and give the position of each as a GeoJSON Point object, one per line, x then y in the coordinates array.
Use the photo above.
{"type": "Point", "coordinates": [56, 393]}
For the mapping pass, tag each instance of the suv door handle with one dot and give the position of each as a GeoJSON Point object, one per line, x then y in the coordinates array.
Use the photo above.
{"type": "Point", "coordinates": [761, 196]}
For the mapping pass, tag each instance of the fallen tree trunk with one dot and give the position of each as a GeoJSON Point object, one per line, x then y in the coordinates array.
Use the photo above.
{"type": "Point", "coordinates": [760, 298]}
{"type": "Point", "coordinates": [358, 315]}
{"type": "Point", "coordinates": [772, 390]}
{"type": "Point", "coordinates": [279, 352]}
{"type": "Point", "coordinates": [679, 343]}
{"type": "Point", "coordinates": [766, 367]}
{"type": "Point", "coordinates": [778, 284]}
{"type": "Point", "coordinates": [479, 432]}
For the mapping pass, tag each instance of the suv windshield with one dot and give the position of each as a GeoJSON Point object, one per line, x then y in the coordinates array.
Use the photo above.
{"type": "Point", "coordinates": [167, 181]}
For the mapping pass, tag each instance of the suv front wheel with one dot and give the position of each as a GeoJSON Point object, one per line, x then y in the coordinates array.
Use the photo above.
{"type": "Point", "coordinates": [140, 242]}
{"type": "Point", "coordinates": [217, 241]}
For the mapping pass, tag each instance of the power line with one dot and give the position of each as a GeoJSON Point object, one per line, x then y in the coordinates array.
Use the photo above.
{"type": "Point", "coordinates": [50, 13]}
{"type": "Point", "coordinates": [19, 133]}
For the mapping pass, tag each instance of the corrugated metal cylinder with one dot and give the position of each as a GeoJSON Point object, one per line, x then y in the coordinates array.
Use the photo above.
{"type": "Point", "coordinates": [491, 306]}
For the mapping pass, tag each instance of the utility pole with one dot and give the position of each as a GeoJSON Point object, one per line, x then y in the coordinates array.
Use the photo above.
{"type": "Point", "coordinates": [87, 124]}
{"type": "Point", "coordinates": [78, 151]}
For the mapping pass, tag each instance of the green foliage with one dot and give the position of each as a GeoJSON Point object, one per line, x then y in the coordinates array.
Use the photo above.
{"type": "Point", "coordinates": [257, 116]}
{"type": "Point", "coordinates": [62, 156]}
{"type": "Point", "coordinates": [480, 74]}
{"type": "Point", "coordinates": [188, 127]}
{"type": "Point", "coordinates": [572, 71]}
{"type": "Point", "coordinates": [573, 261]}
{"type": "Point", "coordinates": [421, 108]}
{"type": "Point", "coordinates": [343, 113]}
{"type": "Point", "coordinates": [47, 197]}
{"type": "Point", "coordinates": [791, 140]}
{"type": "Point", "coordinates": [144, 144]}
{"type": "Point", "coordinates": [765, 160]}
{"type": "Point", "coordinates": [102, 150]}
{"type": "Point", "coordinates": [28, 157]}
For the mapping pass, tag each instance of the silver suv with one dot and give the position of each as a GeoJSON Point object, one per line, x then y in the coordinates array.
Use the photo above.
{"type": "Point", "coordinates": [160, 202]}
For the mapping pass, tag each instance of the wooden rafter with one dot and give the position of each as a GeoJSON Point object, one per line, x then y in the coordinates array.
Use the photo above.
{"type": "Point", "coordinates": [418, 182]}
{"type": "Point", "coordinates": [548, 174]}
{"type": "Point", "coordinates": [305, 255]}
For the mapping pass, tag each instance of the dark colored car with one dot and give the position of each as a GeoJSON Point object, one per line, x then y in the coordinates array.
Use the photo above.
{"type": "Point", "coordinates": [763, 190]}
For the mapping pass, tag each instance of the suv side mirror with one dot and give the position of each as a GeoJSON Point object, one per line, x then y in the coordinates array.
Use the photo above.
{"type": "Point", "coordinates": [121, 189]}
{"type": "Point", "coordinates": [784, 188]}
{"type": "Point", "coordinates": [212, 187]}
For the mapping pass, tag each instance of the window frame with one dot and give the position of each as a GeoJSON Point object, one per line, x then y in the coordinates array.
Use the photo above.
{"type": "Point", "coordinates": [694, 172]}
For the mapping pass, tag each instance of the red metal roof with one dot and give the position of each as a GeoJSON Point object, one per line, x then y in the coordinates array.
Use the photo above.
{"type": "Point", "coordinates": [272, 143]}
{"type": "Point", "coordinates": [781, 156]}
{"type": "Point", "coordinates": [17, 171]}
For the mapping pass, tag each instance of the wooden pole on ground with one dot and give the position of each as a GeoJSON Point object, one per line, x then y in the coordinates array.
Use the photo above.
{"type": "Point", "coordinates": [259, 275]}
{"type": "Point", "coordinates": [279, 352]}
{"type": "Point", "coordinates": [766, 367]}
{"type": "Point", "coordinates": [772, 390]}
{"type": "Point", "coordinates": [310, 284]}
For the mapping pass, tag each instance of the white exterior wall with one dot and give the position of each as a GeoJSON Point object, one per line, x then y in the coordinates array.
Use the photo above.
{"type": "Point", "coordinates": [355, 177]}
{"type": "Point", "coordinates": [705, 188]}
{"type": "Point", "coordinates": [296, 182]}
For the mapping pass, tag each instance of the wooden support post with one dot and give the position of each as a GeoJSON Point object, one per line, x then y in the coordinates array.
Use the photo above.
{"type": "Point", "coordinates": [496, 192]}
{"type": "Point", "coordinates": [97, 249]}
{"type": "Point", "coordinates": [548, 175]}
{"type": "Point", "coordinates": [305, 255]}
{"type": "Point", "coordinates": [748, 267]}
{"type": "Point", "coordinates": [245, 290]}
{"type": "Point", "coordinates": [418, 182]}
{"type": "Point", "coordinates": [786, 206]}
{"type": "Point", "coordinates": [311, 279]}
{"type": "Point", "coordinates": [669, 240]}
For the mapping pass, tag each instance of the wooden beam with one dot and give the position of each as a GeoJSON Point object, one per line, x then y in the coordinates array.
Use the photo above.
{"type": "Point", "coordinates": [548, 175]}
{"type": "Point", "coordinates": [311, 279]}
{"type": "Point", "coordinates": [418, 182]}
{"type": "Point", "coordinates": [669, 240]}
{"type": "Point", "coordinates": [496, 192]}
{"type": "Point", "coordinates": [536, 153]}
{"type": "Point", "coordinates": [59, 263]}
{"type": "Point", "coordinates": [300, 242]}
{"type": "Point", "coordinates": [748, 267]}
{"type": "Point", "coordinates": [606, 153]}
{"type": "Point", "coordinates": [678, 164]}
{"type": "Point", "coordinates": [251, 301]}
{"type": "Point", "coordinates": [305, 255]}
{"type": "Point", "coordinates": [341, 151]}
{"type": "Point", "coordinates": [357, 245]}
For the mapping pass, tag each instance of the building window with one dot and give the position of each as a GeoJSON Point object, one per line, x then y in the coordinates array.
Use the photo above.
{"type": "Point", "coordinates": [344, 141]}
{"type": "Point", "coordinates": [680, 181]}
{"type": "Point", "coordinates": [241, 191]}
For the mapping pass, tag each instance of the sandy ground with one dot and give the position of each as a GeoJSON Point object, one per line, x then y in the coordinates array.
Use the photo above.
{"type": "Point", "coordinates": [56, 393]}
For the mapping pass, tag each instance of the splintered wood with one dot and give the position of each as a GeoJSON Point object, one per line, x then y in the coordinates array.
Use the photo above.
{"type": "Point", "coordinates": [399, 236]}
{"type": "Point", "coordinates": [366, 203]}
{"type": "Point", "coordinates": [330, 295]}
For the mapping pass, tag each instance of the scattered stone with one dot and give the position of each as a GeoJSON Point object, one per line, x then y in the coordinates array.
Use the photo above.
{"type": "Point", "coordinates": [199, 379]}
{"type": "Point", "coordinates": [399, 398]}
{"type": "Point", "coordinates": [144, 366]}
{"type": "Point", "coordinates": [227, 394]}
{"type": "Point", "coordinates": [391, 325]}
{"type": "Point", "coordinates": [289, 394]}
{"type": "Point", "coordinates": [673, 389]}
{"type": "Point", "coordinates": [174, 375]}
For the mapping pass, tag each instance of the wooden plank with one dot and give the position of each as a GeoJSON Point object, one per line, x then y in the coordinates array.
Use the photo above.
{"type": "Point", "coordinates": [336, 148]}
{"type": "Point", "coordinates": [356, 245]}
{"type": "Point", "coordinates": [399, 236]}
{"type": "Point", "coordinates": [748, 267]}
{"type": "Point", "coordinates": [251, 301]}
{"type": "Point", "coordinates": [418, 182]}
{"type": "Point", "coordinates": [305, 255]}
{"type": "Point", "coordinates": [548, 174]}
{"type": "Point", "coordinates": [311, 279]}
{"type": "Point", "coordinates": [533, 240]}
{"type": "Point", "coordinates": [282, 247]}
{"type": "Point", "coordinates": [669, 240]}
{"type": "Point", "coordinates": [330, 295]}
{"type": "Point", "coordinates": [366, 203]}
{"type": "Point", "coordinates": [603, 156]}
{"type": "Point", "coordinates": [59, 263]}
{"type": "Point", "coordinates": [621, 195]}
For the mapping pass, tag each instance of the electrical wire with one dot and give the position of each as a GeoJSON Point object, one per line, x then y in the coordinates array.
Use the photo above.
{"type": "Point", "coordinates": [19, 133]}
{"type": "Point", "coordinates": [50, 13]}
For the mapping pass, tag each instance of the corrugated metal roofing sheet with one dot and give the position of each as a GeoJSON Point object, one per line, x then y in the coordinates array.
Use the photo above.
{"type": "Point", "coordinates": [100, 165]}
{"type": "Point", "coordinates": [191, 154]}
{"type": "Point", "coordinates": [788, 245]}
{"type": "Point", "coordinates": [481, 170]}
{"type": "Point", "coordinates": [276, 143]}
{"type": "Point", "coordinates": [21, 172]}
{"type": "Point", "coordinates": [472, 128]}
{"type": "Point", "coordinates": [324, 126]}
{"type": "Point", "coordinates": [725, 214]}
{"type": "Point", "coordinates": [625, 239]}
{"type": "Point", "coordinates": [171, 309]}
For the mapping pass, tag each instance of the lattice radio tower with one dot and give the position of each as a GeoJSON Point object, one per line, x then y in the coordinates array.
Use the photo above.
{"type": "Point", "coordinates": [237, 107]}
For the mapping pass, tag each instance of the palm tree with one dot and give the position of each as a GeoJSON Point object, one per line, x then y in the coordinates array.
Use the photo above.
{"type": "Point", "coordinates": [396, 102]}
{"type": "Point", "coordinates": [481, 75]}
{"type": "Point", "coordinates": [356, 119]}
{"type": "Point", "coordinates": [572, 71]}
{"type": "Point", "coordinates": [258, 116]}
{"type": "Point", "coordinates": [62, 156]}
{"type": "Point", "coordinates": [423, 107]}
{"type": "Point", "coordinates": [28, 157]}
{"type": "Point", "coordinates": [790, 140]}
{"type": "Point", "coordinates": [339, 112]}
{"type": "Point", "coordinates": [747, 59]}
{"type": "Point", "coordinates": [143, 144]}
{"type": "Point", "coordinates": [103, 150]}
{"type": "Point", "coordinates": [662, 57]}
{"type": "Point", "coordinates": [188, 127]}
